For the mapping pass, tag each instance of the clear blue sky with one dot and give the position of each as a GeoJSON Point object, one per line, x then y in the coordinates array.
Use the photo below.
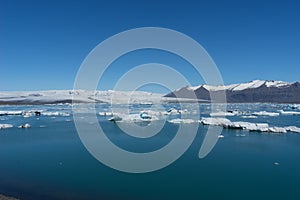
{"type": "Point", "coordinates": [42, 43]}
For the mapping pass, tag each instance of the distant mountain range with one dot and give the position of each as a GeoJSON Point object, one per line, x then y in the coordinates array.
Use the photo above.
{"type": "Point", "coordinates": [250, 92]}
{"type": "Point", "coordinates": [254, 91]}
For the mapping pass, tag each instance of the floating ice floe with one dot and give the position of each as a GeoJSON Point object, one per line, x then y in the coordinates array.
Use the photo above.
{"type": "Point", "coordinates": [261, 127]}
{"type": "Point", "coordinates": [143, 116]}
{"type": "Point", "coordinates": [240, 135]}
{"type": "Point", "coordinates": [25, 126]}
{"type": "Point", "coordinates": [174, 111]}
{"type": "Point", "coordinates": [3, 126]}
{"type": "Point", "coordinates": [249, 117]}
{"type": "Point", "coordinates": [64, 114]}
{"type": "Point", "coordinates": [289, 112]}
{"type": "Point", "coordinates": [115, 118]}
{"type": "Point", "coordinates": [179, 121]}
{"type": "Point", "coordinates": [27, 114]}
{"type": "Point", "coordinates": [146, 103]}
{"type": "Point", "coordinates": [228, 113]}
{"type": "Point", "coordinates": [265, 113]}
{"type": "Point", "coordinates": [293, 129]}
{"type": "Point", "coordinates": [248, 126]}
{"type": "Point", "coordinates": [295, 106]}
{"type": "Point", "coordinates": [105, 113]}
{"type": "Point", "coordinates": [215, 121]}
{"type": "Point", "coordinates": [11, 113]}
{"type": "Point", "coordinates": [222, 114]}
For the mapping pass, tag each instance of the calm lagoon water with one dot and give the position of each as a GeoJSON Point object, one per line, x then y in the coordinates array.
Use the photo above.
{"type": "Point", "coordinates": [48, 161]}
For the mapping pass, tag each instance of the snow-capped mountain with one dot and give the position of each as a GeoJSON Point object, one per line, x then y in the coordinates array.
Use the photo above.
{"type": "Point", "coordinates": [254, 91]}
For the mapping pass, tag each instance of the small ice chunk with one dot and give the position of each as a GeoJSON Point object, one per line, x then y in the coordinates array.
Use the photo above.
{"type": "Point", "coordinates": [276, 163]}
{"type": "Point", "coordinates": [25, 126]}
{"type": "Point", "coordinates": [105, 113]}
{"type": "Point", "coordinates": [27, 114]}
{"type": "Point", "coordinates": [3, 126]}
{"type": "Point", "coordinates": [173, 111]}
{"type": "Point", "coordinates": [115, 118]}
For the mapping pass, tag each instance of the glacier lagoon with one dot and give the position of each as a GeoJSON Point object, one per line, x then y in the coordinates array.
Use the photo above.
{"type": "Point", "coordinates": [48, 160]}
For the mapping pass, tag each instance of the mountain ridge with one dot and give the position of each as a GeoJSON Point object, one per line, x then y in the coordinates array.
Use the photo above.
{"type": "Point", "coordinates": [256, 91]}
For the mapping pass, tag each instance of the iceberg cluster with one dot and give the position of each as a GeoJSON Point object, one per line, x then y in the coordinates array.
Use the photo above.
{"type": "Point", "coordinates": [254, 114]}
{"type": "Point", "coordinates": [33, 113]}
{"type": "Point", "coordinates": [261, 127]}
{"type": "Point", "coordinates": [141, 117]}
{"type": "Point", "coordinates": [145, 115]}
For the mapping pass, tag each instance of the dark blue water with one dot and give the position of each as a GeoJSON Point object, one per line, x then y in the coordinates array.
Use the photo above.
{"type": "Point", "coordinates": [48, 161]}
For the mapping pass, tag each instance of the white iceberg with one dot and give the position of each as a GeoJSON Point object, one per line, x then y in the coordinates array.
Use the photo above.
{"type": "Point", "coordinates": [24, 126]}
{"type": "Point", "coordinates": [277, 130]}
{"type": "Point", "coordinates": [261, 127]}
{"type": "Point", "coordinates": [222, 114]}
{"type": "Point", "coordinates": [56, 113]}
{"type": "Point", "coordinates": [105, 113]}
{"type": "Point", "coordinates": [173, 111]}
{"type": "Point", "coordinates": [10, 112]}
{"type": "Point", "coordinates": [265, 113]}
{"type": "Point", "coordinates": [179, 121]}
{"type": "Point", "coordinates": [143, 116]}
{"type": "Point", "coordinates": [215, 121]}
{"type": "Point", "coordinates": [115, 118]}
{"type": "Point", "coordinates": [289, 112]}
{"type": "Point", "coordinates": [293, 129]}
{"type": "Point", "coordinates": [3, 126]}
{"type": "Point", "coordinates": [249, 117]}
